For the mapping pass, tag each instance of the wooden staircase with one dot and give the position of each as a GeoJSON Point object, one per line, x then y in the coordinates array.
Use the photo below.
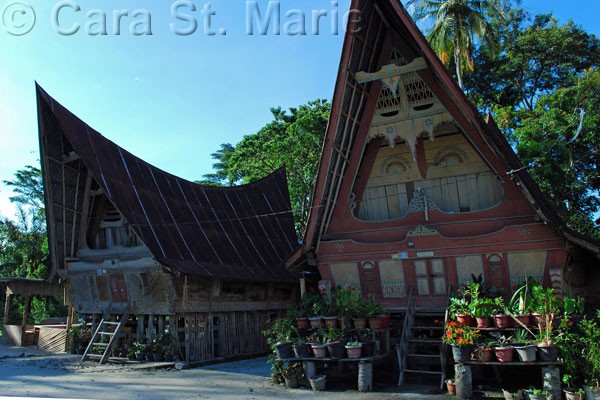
{"type": "Point", "coordinates": [105, 337]}
{"type": "Point", "coordinates": [421, 351]}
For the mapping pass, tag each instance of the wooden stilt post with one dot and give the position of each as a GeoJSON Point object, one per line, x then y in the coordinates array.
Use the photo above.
{"type": "Point", "coordinates": [26, 311]}
{"type": "Point", "coordinates": [140, 327]}
{"type": "Point", "coordinates": [6, 307]}
{"type": "Point", "coordinates": [161, 325]}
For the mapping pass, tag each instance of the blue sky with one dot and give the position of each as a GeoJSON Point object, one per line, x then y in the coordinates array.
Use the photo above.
{"type": "Point", "coordinates": [170, 98]}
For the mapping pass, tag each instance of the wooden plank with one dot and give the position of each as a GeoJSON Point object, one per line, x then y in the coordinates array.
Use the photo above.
{"type": "Point", "coordinates": [403, 196]}
{"type": "Point", "coordinates": [393, 201]}
{"type": "Point", "coordinates": [453, 202]}
{"type": "Point", "coordinates": [473, 192]}
{"type": "Point", "coordinates": [463, 193]}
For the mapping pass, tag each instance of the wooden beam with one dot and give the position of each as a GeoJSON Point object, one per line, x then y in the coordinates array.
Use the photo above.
{"type": "Point", "coordinates": [6, 307]}
{"type": "Point", "coordinates": [72, 156]}
{"type": "Point", "coordinates": [26, 310]}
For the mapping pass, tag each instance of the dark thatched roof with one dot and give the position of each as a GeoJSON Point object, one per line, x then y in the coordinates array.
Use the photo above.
{"type": "Point", "coordinates": [241, 233]}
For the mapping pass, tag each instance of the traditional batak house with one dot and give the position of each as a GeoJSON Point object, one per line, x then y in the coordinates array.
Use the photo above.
{"type": "Point", "coordinates": [153, 250]}
{"type": "Point", "coordinates": [416, 192]}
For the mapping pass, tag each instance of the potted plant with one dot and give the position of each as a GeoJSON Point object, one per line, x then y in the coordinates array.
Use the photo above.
{"type": "Point", "coordinates": [573, 308]}
{"type": "Point", "coordinates": [503, 350]}
{"type": "Point", "coordinates": [545, 305]}
{"type": "Point", "coordinates": [347, 300]}
{"type": "Point", "coordinates": [451, 386]}
{"type": "Point", "coordinates": [460, 310]}
{"type": "Point", "coordinates": [317, 383]}
{"type": "Point", "coordinates": [279, 337]}
{"type": "Point", "coordinates": [317, 344]}
{"type": "Point", "coordinates": [375, 314]}
{"type": "Point", "coordinates": [332, 339]}
{"type": "Point", "coordinates": [523, 343]}
{"type": "Point", "coordinates": [462, 339]}
{"type": "Point", "coordinates": [353, 349]}
{"type": "Point", "coordinates": [571, 392]}
{"type": "Point", "coordinates": [521, 303]}
{"type": "Point", "coordinates": [140, 349]}
{"type": "Point", "coordinates": [484, 351]}
{"type": "Point", "coordinates": [537, 394]}
{"type": "Point", "coordinates": [483, 310]}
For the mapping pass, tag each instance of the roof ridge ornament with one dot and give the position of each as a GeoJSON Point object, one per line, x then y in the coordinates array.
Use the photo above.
{"type": "Point", "coordinates": [391, 71]}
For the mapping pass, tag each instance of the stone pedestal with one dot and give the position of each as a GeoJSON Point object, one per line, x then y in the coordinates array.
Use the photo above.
{"type": "Point", "coordinates": [464, 381]}
{"type": "Point", "coordinates": [551, 382]}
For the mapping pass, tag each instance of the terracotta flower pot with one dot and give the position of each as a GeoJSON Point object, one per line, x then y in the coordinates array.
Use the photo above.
{"type": "Point", "coordinates": [483, 354]}
{"type": "Point", "coordinates": [331, 322]}
{"type": "Point", "coordinates": [464, 319]}
{"type": "Point", "coordinates": [360, 323]}
{"type": "Point", "coordinates": [354, 351]}
{"type": "Point", "coordinates": [302, 323]}
{"type": "Point", "coordinates": [484, 322]}
{"type": "Point", "coordinates": [504, 354]}
{"type": "Point", "coordinates": [451, 387]}
{"type": "Point", "coordinates": [319, 350]}
{"type": "Point", "coordinates": [376, 322]}
{"type": "Point", "coordinates": [502, 321]}
{"type": "Point", "coordinates": [522, 318]}
{"type": "Point", "coordinates": [315, 322]}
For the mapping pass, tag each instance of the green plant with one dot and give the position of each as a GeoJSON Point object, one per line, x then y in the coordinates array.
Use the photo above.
{"type": "Point", "coordinates": [573, 305]}
{"type": "Point", "coordinates": [459, 335]}
{"type": "Point", "coordinates": [590, 338]}
{"type": "Point", "coordinates": [502, 341]}
{"type": "Point", "coordinates": [332, 335]}
{"type": "Point", "coordinates": [372, 308]}
{"type": "Point", "coordinates": [521, 301]}
{"type": "Point", "coordinates": [523, 336]}
{"type": "Point", "coordinates": [347, 301]}
{"type": "Point", "coordinates": [538, 391]}
{"type": "Point", "coordinates": [312, 304]}
{"type": "Point", "coordinates": [280, 330]}
{"type": "Point", "coordinates": [458, 306]}
{"type": "Point", "coordinates": [483, 307]}
{"type": "Point", "coordinates": [353, 344]}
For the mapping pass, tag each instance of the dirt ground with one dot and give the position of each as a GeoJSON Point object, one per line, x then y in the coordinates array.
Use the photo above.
{"type": "Point", "coordinates": [29, 372]}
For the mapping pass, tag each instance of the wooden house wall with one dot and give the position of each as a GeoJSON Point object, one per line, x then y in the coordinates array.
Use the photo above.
{"type": "Point", "coordinates": [503, 240]}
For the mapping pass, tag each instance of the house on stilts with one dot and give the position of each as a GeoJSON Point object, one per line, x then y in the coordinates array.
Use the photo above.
{"type": "Point", "coordinates": [416, 192]}
{"type": "Point", "coordinates": [148, 251]}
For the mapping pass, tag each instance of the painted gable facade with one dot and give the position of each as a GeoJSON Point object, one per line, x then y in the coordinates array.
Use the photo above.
{"type": "Point", "coordinates": [416, 192]}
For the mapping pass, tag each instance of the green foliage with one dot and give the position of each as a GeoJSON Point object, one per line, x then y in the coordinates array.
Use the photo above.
{"type": "Point", "coordinates": [293, 138]}
{"type": "Point", "coordinates": [460, 26]}
{"type": "Point", "coordinates": [543, 93]}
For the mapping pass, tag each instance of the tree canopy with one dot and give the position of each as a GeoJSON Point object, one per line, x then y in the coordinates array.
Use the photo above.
{"type": "Point", "coordinates": [293, 138]}
{"type": "Point", "coordinates": [459, 28]}
{"type": "Point", "coordinates": [543, 92]}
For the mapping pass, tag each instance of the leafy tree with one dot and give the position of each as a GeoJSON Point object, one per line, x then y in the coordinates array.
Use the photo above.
{"type": "Point", "coordinates": [293, 138]}
{"type": "Point", "coordinates": [560, 142]}
{"type": "Point", "coordinates": [543, 91]}
{"type": "Point", "coordinates": [23, 242]}
{"type": "Point", "coordinates": [459, 26]}
{"type": "Point", "coordinates": [222, 176]}
{"type": "Point", "coordinates": [537, 58]}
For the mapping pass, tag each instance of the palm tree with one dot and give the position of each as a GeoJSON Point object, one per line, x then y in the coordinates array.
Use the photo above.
{"type": "Point", "coordinates": [458, 26]}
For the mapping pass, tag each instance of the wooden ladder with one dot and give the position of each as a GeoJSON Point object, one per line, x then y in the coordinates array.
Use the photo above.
{"type": "Point", "coordinates": [421, 350]}
{"type": "Point", "coordinates": [106, 328]}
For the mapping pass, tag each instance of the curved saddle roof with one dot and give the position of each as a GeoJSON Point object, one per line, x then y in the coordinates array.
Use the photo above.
{"type": "Point", "coordinates": [239, 233]}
